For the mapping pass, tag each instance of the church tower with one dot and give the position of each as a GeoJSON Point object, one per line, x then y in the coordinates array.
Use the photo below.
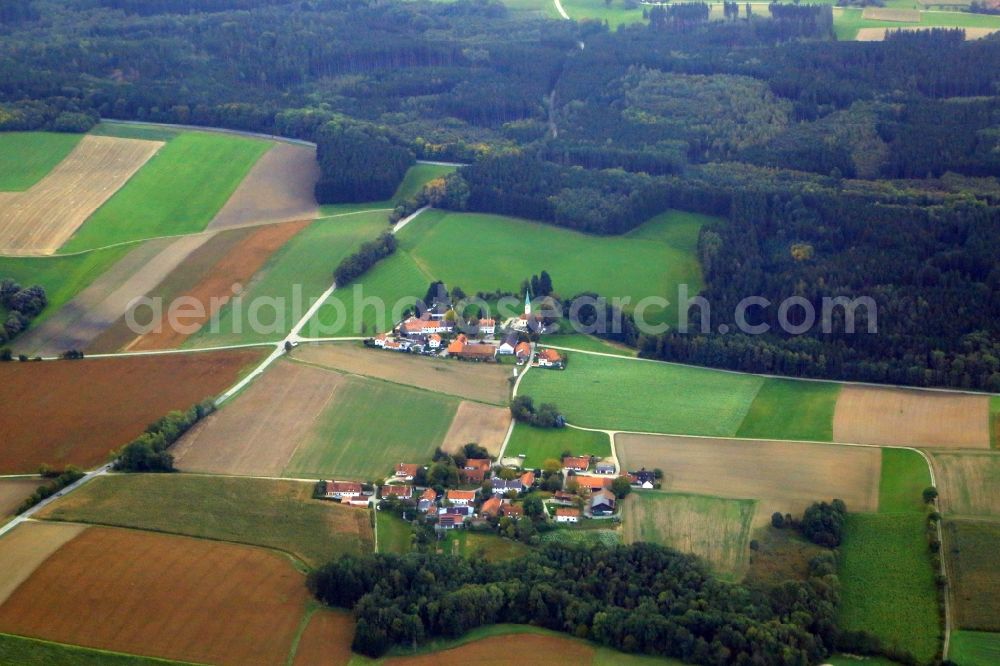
{"type": "Point", "coordinates": [527, 304]}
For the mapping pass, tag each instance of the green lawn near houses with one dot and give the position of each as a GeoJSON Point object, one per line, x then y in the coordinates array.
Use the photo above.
{"type": "Point", "coordinates": [487, 545]}
{"type": "Point", "coordinates": [585, 342]}
{"type": "Point", "coordinates": [540, 444]}
{"type": "Point", "coordinates": [789, 409]}
{"type": "Point", "coordinates": [178, 191]}
{"type": "Point", "coordinates": [887, 582]}
{"type": "Point", "coordinates": [645, 396]}
{"type": "Point", "coordinates": [904, 477]}
{"type": "Point", "coordinates": [371, 426]}
{"type": "Point", "coordinates": [27, 157]}
{"type": "Point", "coordinates": [394, 533]}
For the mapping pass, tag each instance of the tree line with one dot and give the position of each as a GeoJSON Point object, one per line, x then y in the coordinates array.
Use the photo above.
{"type": "Point", "coordinates": [148, 452]}
{"type": "Point", "coordinates": [22, 304]}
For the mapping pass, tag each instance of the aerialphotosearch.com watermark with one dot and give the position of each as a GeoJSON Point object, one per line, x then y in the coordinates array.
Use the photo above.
{"type": "Point", "coordinates": [350, 312]}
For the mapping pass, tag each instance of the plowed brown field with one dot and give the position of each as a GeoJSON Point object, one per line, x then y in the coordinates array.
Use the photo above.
{"type": "Point", "coordinates": [235, 266]}
{"type": "Point", "coordinates": [25, 547]}
{"type": "Point", "coordinates": [485, 425]}
{"type": "Point", "coordinates": [164, 596]}
{"type": "Point", "coordinates": [13, 491]}
{"type": "Point", "coordinates": [784, 476]}
{"type": "Point", "coordinates": [41, 219]}
{"type": "Point", "coordinates": [75, 412]}
{"type": "Point", "coordinates": [326, 640]}
{"type": "Point", "coordinates": [872, 415]}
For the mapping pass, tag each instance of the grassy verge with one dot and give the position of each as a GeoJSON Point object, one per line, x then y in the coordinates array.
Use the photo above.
{"type": "Point", "coordinates": [995, 421]}
{"type": "Point", "coordinates": [146, 132]}
{"type": "Point", "coordinates": [619, 394]}
{"type": "Point", "coordinates": [274, 514]}
{"type": "Point", "coordinates": [177, 192]}
{"type": "Point", "coordinates": [787, 409]}
{"type": "Point", "coordinates": [27, 157]}
{"type": "Point", "coordinates": [887, 583]}
{"type": "Point", "coordinates": [540, 444]}
{"type": "Point", "coordinates": [904, 477]}
{"type": "Point", "coordinates": [32, 652]}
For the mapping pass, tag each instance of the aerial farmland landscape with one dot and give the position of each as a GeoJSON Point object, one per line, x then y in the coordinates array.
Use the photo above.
{"type": "Point", "coordinates": [406, 332]}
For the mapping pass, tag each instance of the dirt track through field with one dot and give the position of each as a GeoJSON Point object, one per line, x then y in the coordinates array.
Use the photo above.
{"type": "Point", "coordinates": [165, 596]}
{"type": "Point", "coordinates": [485, 425]}
{"type": "Point", "coordinates": [878, 34]}
{"type": "Point", "coordinates": [258, 432]}
{"type": "Point", "coordinates": [871, 415]}
{"type": "Point", "coordinates": [25, 547]}
{"type": "Point", "coordinates": [483, 382]}
{"type": "Point", "coordinates": [80, 323]}
{"type": "Point", "coordinates": [279, 188]}
{"type": "Point", "coordinates": [969, 482]}
{"type": "Point", "coordinates": [76, 412]}
{"type": "Point", "coordinates": [236, 266]}
{"type": "Point", "coordinates": [39, 220]}
{"type": "Point", "coordinates": [784, 476]}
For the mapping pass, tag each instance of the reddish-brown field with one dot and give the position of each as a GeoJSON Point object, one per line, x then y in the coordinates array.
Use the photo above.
{"type": "Point", "coordinates": [326, 640]}
{"type": "Point", "coordinates": [13, 491]}
{"type": "Point", "coordinates": [164, 596]}
{"type": "Point", "coordinates": [232, 265]}
{"type": "Point", "coordinates": [503, 650]}
{"type": "Point", "coordinates": [24, 548]}
{"type": "Point", "coordinates": [75, 412]}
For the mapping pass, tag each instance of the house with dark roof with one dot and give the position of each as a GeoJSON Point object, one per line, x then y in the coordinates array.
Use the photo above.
{"type": "Point", "coordinates": [508, 345]}
{"type": "Point", "coordinates": [605, 467]}
{"type": "Point", "coordinates": [602, 503]}
{"type": "Point", "coordinates": [504, 486]}
{"type": "Point", "coordinates": [642, 478]}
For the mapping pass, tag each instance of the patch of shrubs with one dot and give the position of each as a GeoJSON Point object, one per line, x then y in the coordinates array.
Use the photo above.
{"type": "Point", "coordinates": [22, 304]}
{"type": "Point", "coordinates": [148, 451]}
{"type": "Point", "coordinates": [547, 415]}
{"type": "Point", "coordinates": [822, 523]}
{"type": "Point", "coordinates": [59, 481]}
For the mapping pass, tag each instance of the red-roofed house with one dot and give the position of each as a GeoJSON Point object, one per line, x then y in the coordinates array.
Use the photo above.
{"type": "Point", "coordinates": [342, 489]}
{"type": "Point", "coordinates": [491, 507]}
{"type": "Point", "coordinates": [509, 510]}
{"type": "Point", "coordinates": [576, 463]}
{"type": "Point", "coordinates": [487, 327]}
{"type": "Point", "coordinates": [549, 358]}
{"type": "Point", "coordinates": [399, 492]}
{"type": "Point", "coordinates": [406, 471]}
{"type": "Point", "coordinates": [427, 500]}
{"type": "Point", "coordinates": [528, 480]}
{"type": "Point", "coordinates": [592, 483]}
{"type": "Point", "coordinates": [523, 352]}
{"type": "Point", "coordinates": [471, 476]}
{"type": "Point", "coordinates": [461, 497]}
{"type": "Point", "coordinates": [566, 515]}
{"type": "Point", "coordinates": [449, 521]}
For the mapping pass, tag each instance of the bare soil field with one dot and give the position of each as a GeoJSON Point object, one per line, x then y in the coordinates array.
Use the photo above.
{"type": "Point", "coordinates": [482, 382]}
{"type": "Point", "coordinates": [485, 425]}
{"type": "Point", "coordinates": [236, 265]}
{"type": "Point", "coordinates": [884, 14]}
{"type": "Point", "coordinates": [279, 188]}
{"type": "Point", "coordinates": [25, 547]}
{"type": "Point", "coordinates": [257, 434]}
{"type": "Point", "coordinates": [13, 491]}
{"type": "Point", "coordinates": [165, 596]}
{"type": "Point", "coordinates": [81, 323]}
{"type": "Point", "coordinates": [870, 415]}
{"type": "Point", "coordinates": [878, 34]}
{"type": "Point", "coordinates": [969, 483]}
{"type": "Point", "coordinates": [326, 640]}
{"type": "Point", "coordinates": [75, 412]}
{"type": "Point", "coordinates": [502, 650]}
{"type": "Point", "coordinates": [784, 476]}
{"type": "Point", "coordinates": [39, 220]}
{"type": "Point", "coordinates": [971, 547]}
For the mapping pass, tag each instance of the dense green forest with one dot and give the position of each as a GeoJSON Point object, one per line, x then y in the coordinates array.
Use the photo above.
{"type": "Point", "coordinates": [843, 169]}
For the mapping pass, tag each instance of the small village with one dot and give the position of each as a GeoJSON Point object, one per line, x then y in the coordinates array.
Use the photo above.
{"type": "Point", "coordinates": [438, 331]}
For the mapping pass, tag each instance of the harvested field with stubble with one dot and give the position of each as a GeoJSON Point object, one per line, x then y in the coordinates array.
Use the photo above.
{"type": "Point", "coordinates": [14, 490]}
{"type": "Point", "coordinates": [326, 640]}
{"type": "Point", "coordinates": [485, 425]}
{"type": "Point", "coordinates": [885, 14]}
{"type": "Point", "coordinates": [878, 34]}
{"type": "Point", "coordinates": [23, 549]}
{"type": "Point", "coordinates": [482, 382]}
{"type": "Point", "coordinates": [235, 264]}
{"type": "Point", "coordinates": [279, 188]}
{"type": "Point", "coordinates": [165, 596]}
{"type": "Point", "coordinates": [42, 218]}
{"type": "Point", "coordinates": [525, 648]}
{"type": "Point", "coordinates": [908, 417]}
{"type": "Point", "coordinates": [84, 322]}
{"type": "Point", "coordinates": [971, 547]}
{"type": "Point", "coordinates": [713, 528]}
{"type": "Point", "coordinates": [969, 483]}
{"type": "Point", "coordinates": [259, 431]}
{"type": "Point", "coordinates": [76, 412]}
{"type": "Point", "coordinates": [784, 476]}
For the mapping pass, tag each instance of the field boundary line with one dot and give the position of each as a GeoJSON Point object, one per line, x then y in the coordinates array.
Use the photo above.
{"type": "Point", "coordinates": [159, 660]}
{"type": "Point", "coordinates": [843, 382]}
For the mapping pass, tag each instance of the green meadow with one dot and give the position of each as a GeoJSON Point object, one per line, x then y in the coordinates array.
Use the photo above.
{"type": "Point", "coordinates": [62, 276]}
{"type": "Point", "coordinates": [541, 444]}
{"type": "Point", "coordinates": [487, 252]}
{"type": "Point", "coordinates": [789, 409]}
{"type": "Point", "coordinates": [32, 652]}
{"type": "Point", "coordinates": [586, 342]}
{"type": "Point", "coordinates": [130, 131]}
{"type": "Point", "coordinates": [646, 396]}
{"type": "Point", "coordinates": [27, 157]}
{"type": "Point", "coordinates": [177, 192]}
{"type": "Point", "coordinates": [887, 583]}
{"type": "Point", "coordinates": [416, 177]}
{"type": "Point", "coordinates": [975, 648]}
{"type": "Point", "coordinates": [371, 426]}
{"type": "Point", "coordinates": [394, 533]}
{"type": "Point", "coordinates": [904, 477]}
{"type": "Point", "coordinates": [487, 545]}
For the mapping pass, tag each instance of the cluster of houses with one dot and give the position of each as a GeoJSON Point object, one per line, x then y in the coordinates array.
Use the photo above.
{"type": "Point", "coordinates": [436, 332]}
